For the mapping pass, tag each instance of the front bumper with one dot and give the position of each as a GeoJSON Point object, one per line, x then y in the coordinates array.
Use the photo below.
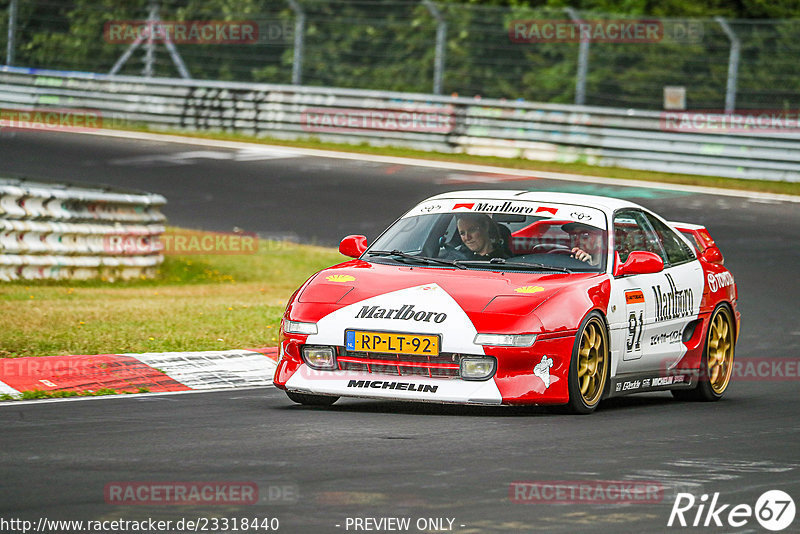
{"type": "Point", "coordinates": [520, 377]}
{"type": "Point", "coordinates": [379, 386]}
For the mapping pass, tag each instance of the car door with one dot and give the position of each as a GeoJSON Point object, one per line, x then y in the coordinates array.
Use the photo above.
{"type": "Point", "coordinates": [648, 312]}
{"type": "Point", "coordinates": [676, 295]}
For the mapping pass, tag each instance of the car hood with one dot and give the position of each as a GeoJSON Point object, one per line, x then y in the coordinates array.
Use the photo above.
{"type": "Point", "coordinates": [477, 293]}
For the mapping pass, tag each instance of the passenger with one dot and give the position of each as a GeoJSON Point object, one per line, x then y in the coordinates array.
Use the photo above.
{"type": "Point", "coordinates": [480, 236]}
{"type": "Point", "coordinates": [587, 242]}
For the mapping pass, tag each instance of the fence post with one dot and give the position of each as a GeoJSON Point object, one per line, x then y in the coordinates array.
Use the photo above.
{"type": "Point", "coordinates": [733, 65]}
{"type": "Point", "coordinates": [583, 62]}
{"type": "Point", "coordinates": [12, 30]}
{"type": "Point", "coordinates": [299, 35]}
{"type": "Point", "coordinates": [150, 47]}
{"type": "Point", "coordinates": [441, 42]}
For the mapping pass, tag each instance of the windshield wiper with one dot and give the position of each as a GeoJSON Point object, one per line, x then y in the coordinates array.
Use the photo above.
{"type": "Point", "coordinates": [421, 259]}
{"type": "Point", "coordinates": [516, 265]}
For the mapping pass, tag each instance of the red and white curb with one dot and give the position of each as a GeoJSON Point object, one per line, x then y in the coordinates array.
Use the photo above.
{"type": "Point", "coordinates": [152, 371]}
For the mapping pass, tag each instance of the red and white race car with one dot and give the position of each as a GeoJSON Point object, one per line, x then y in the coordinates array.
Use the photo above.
{"type": "Point", "coordinates": [515, 297]}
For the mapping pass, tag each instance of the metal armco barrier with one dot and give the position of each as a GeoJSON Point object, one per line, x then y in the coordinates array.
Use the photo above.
{"type": "Point", "coordinates": [68, 232]}
{"type": "Point", "coordinates": [627, 138]}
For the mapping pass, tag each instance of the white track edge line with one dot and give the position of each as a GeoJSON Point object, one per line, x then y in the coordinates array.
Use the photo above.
{"type": "Point", "coordinates": [469, 167]}
{"type": "Point", "coordinates": [4, 404]}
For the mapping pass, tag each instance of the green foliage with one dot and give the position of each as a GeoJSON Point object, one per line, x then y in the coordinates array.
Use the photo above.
{"type": "Point", "coordinates": [33, 394]}
{"type": "Point", "coordinates": [390, 45]}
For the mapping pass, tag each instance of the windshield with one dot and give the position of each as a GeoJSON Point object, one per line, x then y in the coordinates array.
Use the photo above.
{"type": "Point", "coordinates": [502, 235]}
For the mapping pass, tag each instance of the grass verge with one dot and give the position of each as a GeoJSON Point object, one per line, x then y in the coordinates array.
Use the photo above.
{"type": "Point", "coordinates": [765, 186]}
{"type": "Point", "coordinates": [32, 394]}
{"type": "Point", "coordinates": [199, 302]}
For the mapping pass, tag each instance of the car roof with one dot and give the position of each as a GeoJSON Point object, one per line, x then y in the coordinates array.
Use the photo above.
{"type": "Point", "coordinates": [607, 204]}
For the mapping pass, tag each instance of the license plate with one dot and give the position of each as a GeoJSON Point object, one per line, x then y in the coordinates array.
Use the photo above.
{"type": "Point", "coordinates": [391, 343]}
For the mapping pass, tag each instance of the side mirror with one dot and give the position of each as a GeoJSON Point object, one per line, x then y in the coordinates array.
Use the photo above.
{"type": "Point", "coordinates": [713, 255]}
{"type": "Point", "coordinates": [353, 245]}
{"type": "Point", "coordinates": [640, 262]}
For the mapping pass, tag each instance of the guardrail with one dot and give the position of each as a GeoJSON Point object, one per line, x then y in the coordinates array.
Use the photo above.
{"type": "Point", "coordinates": [628, 138]}
{"type": "Point", "coordinates": [69, 232]}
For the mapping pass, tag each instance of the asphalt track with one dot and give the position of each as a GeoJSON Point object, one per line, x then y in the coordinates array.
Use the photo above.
{"type": "Point", "coordinates": [316, 468]}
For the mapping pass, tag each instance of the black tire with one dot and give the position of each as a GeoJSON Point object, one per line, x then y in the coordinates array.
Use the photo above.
{"type": "Point", "coordinates": [311, 400]}
{"type": "Point", "coordinates": [716, 365]}
{"type": "Point", "coordinates": [589, 365]}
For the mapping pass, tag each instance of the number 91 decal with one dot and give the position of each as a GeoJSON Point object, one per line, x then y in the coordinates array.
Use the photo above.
{"type": "Point", "coordinates": [634, 306]}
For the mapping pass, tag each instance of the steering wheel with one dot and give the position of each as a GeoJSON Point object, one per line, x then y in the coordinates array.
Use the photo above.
{"type": "Point", "coordinates": [448, 251]}
{"type": "Point", "coordinates": [560, 249]}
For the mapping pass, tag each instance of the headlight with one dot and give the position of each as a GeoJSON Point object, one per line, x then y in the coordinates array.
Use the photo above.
{"type": "Point", "coordinates": [505, 340]}
{"type": "Point", "coordinates": [477, 367]}
{"type": "Point", "coordinates": [319, 357]}
{"type": "Point", "coordinates": [296, 327]}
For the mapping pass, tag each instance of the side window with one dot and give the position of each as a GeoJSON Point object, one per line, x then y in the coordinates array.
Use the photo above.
{"type": "Point", "coordinates": [632, 232]}
{"type": "Point", "coordinates": [677, 251]}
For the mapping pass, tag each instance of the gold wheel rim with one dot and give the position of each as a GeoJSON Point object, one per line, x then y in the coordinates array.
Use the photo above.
{"type": "Point", "coordinates": [592, 360]}
{"type": "Point", "coordinates": [720, 351]}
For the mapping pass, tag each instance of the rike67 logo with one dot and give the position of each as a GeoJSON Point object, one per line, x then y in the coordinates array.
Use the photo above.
{"type": "Point", "coordinates": [774, 510]}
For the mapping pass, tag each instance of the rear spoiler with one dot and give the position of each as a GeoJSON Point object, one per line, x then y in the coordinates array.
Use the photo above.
{"type": "Point", "coordinates": [702, 241]}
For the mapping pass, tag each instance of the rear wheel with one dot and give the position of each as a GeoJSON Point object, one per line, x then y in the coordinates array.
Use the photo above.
{"type": "Point", "coordinates": [311, 400]}
{"type": "Point", "coordinates": [588, 369]}
{"type": "Point", "coordinates": [717, 363]}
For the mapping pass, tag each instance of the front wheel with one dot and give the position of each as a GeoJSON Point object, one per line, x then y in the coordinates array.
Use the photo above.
{"type": "Point", "coordinates": [717, 363]}
{"type": "Point", "coordinates": [311, 400]}
{"type": "Point", "coordinates": [588, 368]}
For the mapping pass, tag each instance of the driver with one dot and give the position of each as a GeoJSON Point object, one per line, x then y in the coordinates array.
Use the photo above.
{"type": "Point", "coordinates": [480, 236]}
{"type": "Point", "coordinates": [587, 242]}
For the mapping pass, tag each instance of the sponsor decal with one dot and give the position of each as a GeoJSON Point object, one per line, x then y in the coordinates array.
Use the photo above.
{"type": "Point", "coordinates": [649, 383]}
{"type": "Point", "coordinates": [464, 206]}
{"type": "Point", "coordinates": [661, 381]}
{"type": "Point", "coordinates": [544, 209]}
{"type": "Point", "coordinates": [634, 297]}
{"type": "Point", "coordinates": [717, 281]}
{"type": "Point", "coordinates": [340, 278]}
{"type": "Point", "coordinates": [629, 385]}
{"type": "Point", "coordinates": [666, 337]}
{"type": "Point", "coordinates": [529, 289]}
{"type": "Point", "coordinates": [505, 207]}
{"type": "Point", "coordinates": [431, 208]}
{"type": "Point", "coordinates": [542, 370]}
{"type": "Point", "coordinates": [399, 386]}
{"type": "Point", "coordinates": [674, 303]}
{"type": "Point", "coordinates": [406, 312]}
{"type": "Point", "coordinates": [580, 216]}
